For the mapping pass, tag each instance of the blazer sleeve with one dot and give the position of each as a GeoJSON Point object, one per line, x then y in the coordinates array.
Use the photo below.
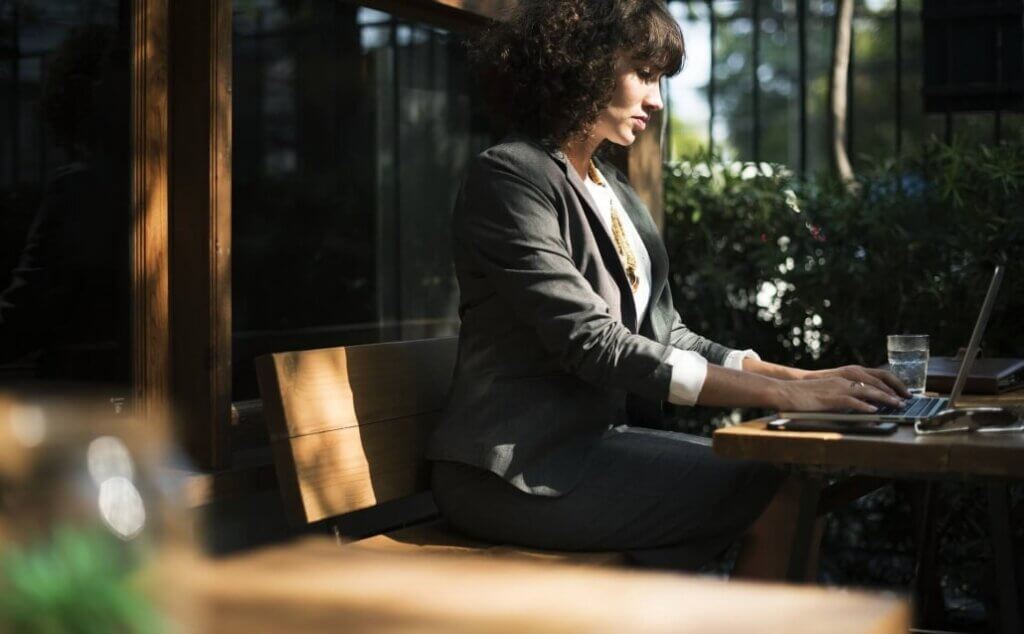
{"type": "Point", "coordinates": [510, 230]}
{"type": "Point", "coordinates": [682, 337]}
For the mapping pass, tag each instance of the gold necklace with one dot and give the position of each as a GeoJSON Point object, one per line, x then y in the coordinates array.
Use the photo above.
{"type": "Point", "coordinates": [618, 233]}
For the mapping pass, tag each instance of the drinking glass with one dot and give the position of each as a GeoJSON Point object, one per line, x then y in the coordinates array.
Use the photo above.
{"type": "Point", "coordinates": [908, 360]}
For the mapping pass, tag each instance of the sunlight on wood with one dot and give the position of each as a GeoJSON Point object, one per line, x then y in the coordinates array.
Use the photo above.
{"type": "Point", "coordinates": [340, 452]}
{"type": "Point", "coordinates": [318, 587]}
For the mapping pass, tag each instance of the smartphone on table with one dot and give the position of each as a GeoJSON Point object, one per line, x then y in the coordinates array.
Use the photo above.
{"type": "Point", "coordinates": [866, 428]}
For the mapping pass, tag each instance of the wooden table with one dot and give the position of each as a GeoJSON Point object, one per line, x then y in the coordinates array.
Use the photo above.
{"type": "Point", "coordinates": [315, 586]}
{"type": "Point", "coordinates": [995, 459]}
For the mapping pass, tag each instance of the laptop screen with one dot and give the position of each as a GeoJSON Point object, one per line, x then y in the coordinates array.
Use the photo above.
{"type": "Point", "coordinates": [979, 331]}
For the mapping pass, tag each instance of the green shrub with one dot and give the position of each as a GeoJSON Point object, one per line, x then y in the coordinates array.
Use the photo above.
{"type": "Point", "coordinates": [808, 274]}
{"type": "Point", "coordinates": [811, 275]}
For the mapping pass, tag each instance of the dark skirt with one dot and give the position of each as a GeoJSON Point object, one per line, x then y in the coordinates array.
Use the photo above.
{"type": "Point", "coordinates": [662, 497]}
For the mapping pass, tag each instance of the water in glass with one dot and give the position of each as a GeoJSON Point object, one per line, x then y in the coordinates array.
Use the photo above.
{"type": "Point", "coordinates": [911, 366]}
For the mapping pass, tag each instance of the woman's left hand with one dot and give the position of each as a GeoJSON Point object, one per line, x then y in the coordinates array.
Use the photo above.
{"type": "Point", "coordinates": [881, 379]}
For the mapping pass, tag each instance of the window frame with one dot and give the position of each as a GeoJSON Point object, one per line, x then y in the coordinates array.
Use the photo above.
{"type": "Point", "coordinates": [182, 336]}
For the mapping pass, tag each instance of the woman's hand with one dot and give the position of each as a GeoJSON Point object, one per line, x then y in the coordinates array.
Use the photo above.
{"type": "Point", "coordinates": [882, 380]}
{"type": "Point", "coordinates": [833, 393]}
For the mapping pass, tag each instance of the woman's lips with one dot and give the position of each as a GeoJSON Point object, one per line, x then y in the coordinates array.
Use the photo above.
{"type": "Point", "coordinates": [641, 121]}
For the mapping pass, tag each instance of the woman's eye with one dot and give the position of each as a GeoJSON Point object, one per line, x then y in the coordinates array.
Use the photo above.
{"type": "Point", "coordinates": [645, 74]}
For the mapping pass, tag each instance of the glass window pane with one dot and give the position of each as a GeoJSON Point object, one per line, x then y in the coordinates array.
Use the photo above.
{"type": "Point", "coordinates": [779, 76]}
{"type": "Point", "coordinates": [820, 18]}
{"type": "Point", "coordinates": [873, 109]}
{"type": "Point", "coordinates": [1013, 127]}
{"type": "Point", "coordinates": [975, 128]}
{"type": "Point", "coordinates": [914, 120]}
{"type": "Point", "coordinates": [687, 102]}
{"type": "Point", "coordinates": [65, 192]}
{"type": "Point", "coordinates": [733, 125]}
{"type": "Point", "coordinates": [351, 132]}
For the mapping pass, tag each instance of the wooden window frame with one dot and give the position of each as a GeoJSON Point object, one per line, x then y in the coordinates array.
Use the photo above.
{"type": "Point", "coordinates": [200, 226]}
{"type": "Point", "coordinates": [149, 210]}
{"type": "Point", "coordinates": [181, 208]}
{"type": "Point", "coordinates": [181, 220]}
{"type": "Point", "coordinates": [455, 15]}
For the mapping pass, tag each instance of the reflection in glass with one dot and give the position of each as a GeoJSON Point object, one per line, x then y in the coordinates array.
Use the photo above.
{"type": "Point", "coordinates": [351, 131]}
{"type": "Point", "coordinates": [64, 191]}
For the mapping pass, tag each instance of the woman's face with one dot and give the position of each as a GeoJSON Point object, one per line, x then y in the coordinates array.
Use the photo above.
{"type": "Point", "coordinates": [637, 94]}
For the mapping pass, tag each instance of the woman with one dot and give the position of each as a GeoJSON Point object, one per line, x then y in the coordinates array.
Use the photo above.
{"type": "Point", "coordinates": [570, 342]}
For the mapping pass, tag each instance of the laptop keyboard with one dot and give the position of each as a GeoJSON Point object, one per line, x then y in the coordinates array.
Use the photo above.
{"type": "Point", "coordinates": [916, 407]}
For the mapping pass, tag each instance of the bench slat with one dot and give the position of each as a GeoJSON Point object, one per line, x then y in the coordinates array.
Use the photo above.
{"type": "Point", "coordinates": [349, 429]}
{"type": "Point", "coordinates": [345, 470]}
{"type": "Point", "coordinates": [349, 425]}
{"type": "Point", "coordinates": [438, 537]}
{"type": "Point", "coordinates": [314, 390]}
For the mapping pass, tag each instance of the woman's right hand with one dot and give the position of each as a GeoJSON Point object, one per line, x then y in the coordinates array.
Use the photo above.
{"type": "Point", "coordinates": [832, 394]}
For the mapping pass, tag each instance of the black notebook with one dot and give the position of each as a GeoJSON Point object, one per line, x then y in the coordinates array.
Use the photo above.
{"type": "Point", "coordinates": [987, 376]}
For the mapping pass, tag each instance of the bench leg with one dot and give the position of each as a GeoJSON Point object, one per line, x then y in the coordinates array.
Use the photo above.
{"type": "Point", "coordinates": [1008, 618]}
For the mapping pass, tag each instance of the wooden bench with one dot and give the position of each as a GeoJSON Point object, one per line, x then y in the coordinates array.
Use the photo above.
{"type": "Point", "coordinates": [348, 427]}
{"type": "Point", "coordinates": [308, 586]}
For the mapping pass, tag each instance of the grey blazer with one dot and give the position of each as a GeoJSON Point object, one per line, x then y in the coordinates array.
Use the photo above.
{"type": "Point", "coordinates": [550, 352]}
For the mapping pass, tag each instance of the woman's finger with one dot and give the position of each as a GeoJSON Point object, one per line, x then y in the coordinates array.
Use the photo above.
{"type": "Point", "coordinates": [867, 392]}
{"type": "Point", "coordinates": [876, 382]}
{"type": "Point", "coordinates": [857, 405]}
{"type": "Point", "coordinates": [890, 379]}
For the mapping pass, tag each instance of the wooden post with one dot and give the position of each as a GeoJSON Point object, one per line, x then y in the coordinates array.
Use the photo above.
{"type": "Point", "coordinates": [200, 257]}
{"type": "Point", "coordinates": [149, 230]}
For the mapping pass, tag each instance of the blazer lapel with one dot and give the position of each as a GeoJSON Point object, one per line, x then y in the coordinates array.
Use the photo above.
{"type": "Point", "coordinates": [629, 316]}
{"type": "Point", "coordinates": [648, 231]}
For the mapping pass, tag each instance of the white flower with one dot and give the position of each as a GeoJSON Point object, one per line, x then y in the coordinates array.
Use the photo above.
{"type": "Point", "coordinates": [767, 170]}
{"type": "Point", "coordinates": [749, 171]}
{"type": "Point", "coordinates": [791, 200]}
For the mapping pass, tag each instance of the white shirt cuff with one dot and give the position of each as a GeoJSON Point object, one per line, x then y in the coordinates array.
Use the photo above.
{"type": "Point", "coordinates": [689, 370]}
{"type": "Point", "coordinates": [734, 360]}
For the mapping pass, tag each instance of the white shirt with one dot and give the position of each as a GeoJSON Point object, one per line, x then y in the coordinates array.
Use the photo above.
{"type": "Point", "coordinates": [689, 369]}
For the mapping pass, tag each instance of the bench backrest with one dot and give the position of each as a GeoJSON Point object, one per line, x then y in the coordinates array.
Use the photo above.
{"type": "Point", "coordinates": [348, 426]}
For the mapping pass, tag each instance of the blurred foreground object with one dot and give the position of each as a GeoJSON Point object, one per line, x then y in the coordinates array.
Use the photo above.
{"type": "Point", "coordinates": [316, 586]}
{"type": "Point", "coordinates": [90, 521]}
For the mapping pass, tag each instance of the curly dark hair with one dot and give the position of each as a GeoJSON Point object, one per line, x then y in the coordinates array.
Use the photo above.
{"type": "Point", "coordinates": [549, 69]}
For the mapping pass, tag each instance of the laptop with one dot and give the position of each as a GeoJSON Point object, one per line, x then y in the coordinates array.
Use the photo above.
{"type": "Point", "coordinates": [924, 408]}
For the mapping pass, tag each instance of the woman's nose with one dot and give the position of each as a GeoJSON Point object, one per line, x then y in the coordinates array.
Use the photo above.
{"type": "Point", "coordinates": [652, 100]}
